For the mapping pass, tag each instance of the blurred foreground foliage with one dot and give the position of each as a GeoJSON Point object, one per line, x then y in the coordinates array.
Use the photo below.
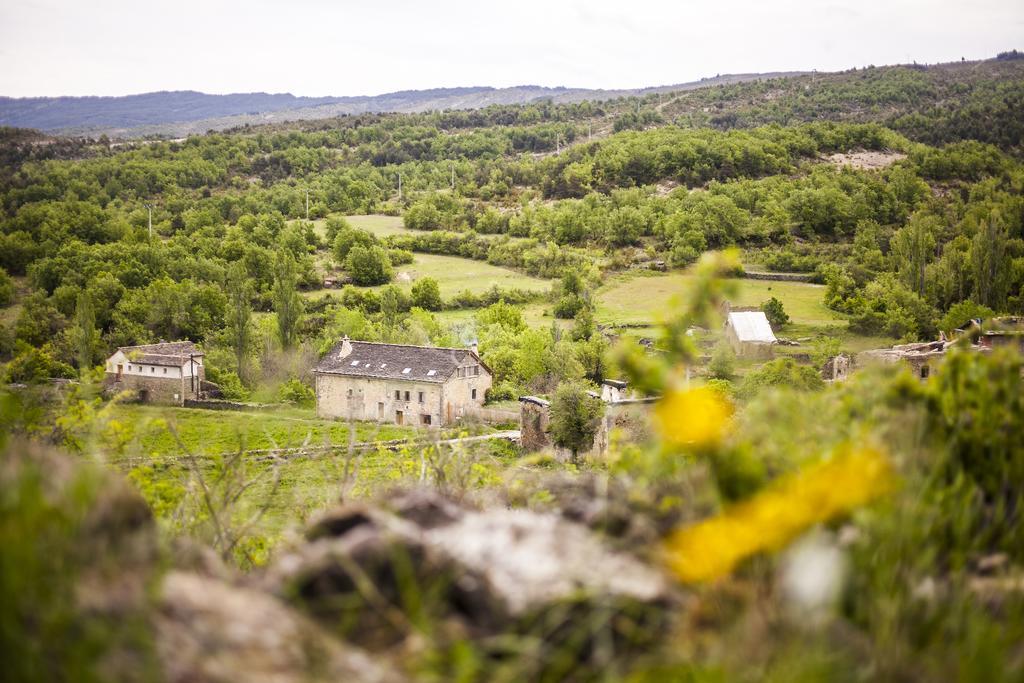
{"type": "Point", "coordinates": [870, 530]}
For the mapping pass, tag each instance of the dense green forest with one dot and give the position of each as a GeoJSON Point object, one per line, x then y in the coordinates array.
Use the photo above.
{"type": "Point", "coordinates": [766, 526]}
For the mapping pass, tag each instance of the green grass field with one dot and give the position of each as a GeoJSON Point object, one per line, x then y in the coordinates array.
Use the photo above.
{"type": "Point", "coordinates": [643, 299]}
{"type": "Point", "coordinates": [293, 488]}
{"type": "Point", "coordinates": [209, 432]}
{"type": "Point", "coordinates": [455, 274]}
{"type": "Point", "coordinates": [379, 225]}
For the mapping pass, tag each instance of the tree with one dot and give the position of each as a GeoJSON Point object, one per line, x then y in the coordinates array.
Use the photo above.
{"type": "Point", "coordinates": [575, 416]}
{"type": "Point", "coordinates": [963, 312]}
{"type": "Point", "coordinates": [239, 315]}
{"type": "Point", "coordinates": [369, 266]}
{"type": "Point", "coordinates": [912, 246]}
{"type": "Point", "coordinates": [775, 313]}
{"type": "Point", "coordinates": [287, 302]}
{"type": "Point", "coordinates": [991, 263]}
{"type": "Point", "coordinates": [6, 288]}
{"type": "Point", "coordinates": [349, 237]}
{"type": "Point", "coordinates": [85, 333]}
{"type": "Point", "coordinates": [426, 294]}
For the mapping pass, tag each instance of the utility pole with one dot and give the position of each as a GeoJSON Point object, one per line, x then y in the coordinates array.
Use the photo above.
{"type": "Point", "coordinates": [307, 203]}
{"type": "Point", "coordinates": [453, 177]}
{"type": "Point", "coordinates": [150, 208]}
{"type": "Point", "coordinates": [590, 132]}
{"type": "Point", "coordinates": [399, 186]}
{"type": "Point", "coordinates": [558, 144]}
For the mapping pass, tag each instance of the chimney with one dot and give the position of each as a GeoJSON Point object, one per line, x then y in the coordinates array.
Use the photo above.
{"type": "Point", "coordinates": [346, 347]}
{"type": "Point", "coordinates": [473, 347]}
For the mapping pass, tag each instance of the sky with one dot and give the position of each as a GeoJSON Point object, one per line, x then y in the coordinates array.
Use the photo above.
{"type": "Point", "coordinates": [324, 47]}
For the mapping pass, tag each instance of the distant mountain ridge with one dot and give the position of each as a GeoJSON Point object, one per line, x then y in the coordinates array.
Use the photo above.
{"type": "Point", "coordinates": [179, 113]}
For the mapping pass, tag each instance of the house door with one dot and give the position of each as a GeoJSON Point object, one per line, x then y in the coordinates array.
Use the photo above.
{"type": "Point", "coordinates": [380, 410]}
{"type": "Point", "coordinates": [120, 369]}
{"type": "Point", "coordinates": [449, 417]}
{"type": "Point", "coordinates": [399, 417]}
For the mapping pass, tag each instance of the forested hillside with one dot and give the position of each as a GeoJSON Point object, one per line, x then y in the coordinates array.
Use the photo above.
{"type": "Point", "coordinates": [536, 189]}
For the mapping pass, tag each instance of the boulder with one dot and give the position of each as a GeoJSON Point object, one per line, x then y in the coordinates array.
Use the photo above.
{"type": "Point", "coordinates": [371, 572]}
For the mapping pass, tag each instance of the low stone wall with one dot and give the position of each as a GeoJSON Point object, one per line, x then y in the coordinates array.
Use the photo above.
{"type": "Point", "coordinates": [217, 404]}
{"type": "Point", "coordinates": [779, 277]}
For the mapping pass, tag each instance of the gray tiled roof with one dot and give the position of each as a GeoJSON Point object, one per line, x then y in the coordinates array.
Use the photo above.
{"type": "Point", "coordinates": [389, 361]}
{"type": "Point", "coordinates": [172, 354]}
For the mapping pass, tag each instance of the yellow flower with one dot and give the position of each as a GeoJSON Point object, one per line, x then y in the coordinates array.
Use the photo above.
{"type": "Point", "coordinates": [770, 519]}
{"type": "Point", "coordinates": [692, 417]}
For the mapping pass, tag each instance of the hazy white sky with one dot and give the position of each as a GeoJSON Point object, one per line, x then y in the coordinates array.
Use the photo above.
{"type": "Point", "coordinates": [325, 47]}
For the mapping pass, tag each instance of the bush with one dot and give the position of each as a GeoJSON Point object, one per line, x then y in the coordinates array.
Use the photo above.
{"type": "Point", "coordinates": [294, 391]}
{"type": "Point", "coordinates": [782, 372]}
{"type": "Point", "coordinates": [775, 313]}
{"type": "Point", "coordinates": [426, 294]}
{"type": "Point", "coordinates": [723, 361]}
{"type": "Point", "coordinates": [369, 266]}
{"type": "Point", "coordinates": [400, 257]}
{"type": "Point", "coordinates": [32, 365]}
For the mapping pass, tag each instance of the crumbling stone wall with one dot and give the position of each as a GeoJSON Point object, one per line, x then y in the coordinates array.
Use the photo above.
{"type": "Point", "coordinates": [534, 418]}
{"type": "Point", "coordinates": [836, 368]}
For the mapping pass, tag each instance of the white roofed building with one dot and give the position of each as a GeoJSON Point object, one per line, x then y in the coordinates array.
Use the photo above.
{"type": "Point", "coordinates": [749, 333]}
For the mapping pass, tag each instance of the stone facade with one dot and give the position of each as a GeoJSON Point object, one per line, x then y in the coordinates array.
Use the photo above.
{"type": "Point", "coordinates": [411, 385]}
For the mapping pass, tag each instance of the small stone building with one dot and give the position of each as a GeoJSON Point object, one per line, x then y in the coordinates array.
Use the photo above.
{"type": "Point", "coordinates": [398, 383]}
{"type": "Point", "coordinates": [749, 333]}
{"type": "Point", "coordinates": [922, 358]}
{"type": "Point", "coordinates": [168, 372]}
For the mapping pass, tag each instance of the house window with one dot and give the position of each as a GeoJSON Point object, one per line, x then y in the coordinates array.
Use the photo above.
{"type": "Point", "coordinates": [474, 393]}
{"type": "Point", "coordinates": [421, 397]}
{"type": "Point", "coordinates": [350, 393]}
{"type": "Point", "coordinates": [425, 419]}
{"type": "Point", "coordinates": [398, 395]}
{"type": "Point", "coordinates": [165, 371]}
{"type": "Point", "coordinates": [129, 367]}
{"type": "Point", "coordinates": [152, 370]}
{"type": "Point", "coordinates": [924, 372]}
{"type": "Point", "coordinates": [407, 396]}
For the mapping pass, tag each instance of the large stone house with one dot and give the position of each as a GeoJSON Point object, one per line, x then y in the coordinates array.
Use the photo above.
{"type": "Point", "coordinates": [418, 385]}
{"type": "Point", "coordinates": [168, 372]}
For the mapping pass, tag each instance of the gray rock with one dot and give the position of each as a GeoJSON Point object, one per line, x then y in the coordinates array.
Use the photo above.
{"type": "Point", "coordinates": [208, 630]}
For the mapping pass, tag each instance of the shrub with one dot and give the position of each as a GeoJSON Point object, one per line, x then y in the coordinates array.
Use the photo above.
{"type": "Point", "coordinates": [775, 313]}
{"type": "Point", "coordinates": [294, 391]}
{"type": "Point", "coordinates": [369, 266]}
{"type": "Point", "coordinates": [426, 294]}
